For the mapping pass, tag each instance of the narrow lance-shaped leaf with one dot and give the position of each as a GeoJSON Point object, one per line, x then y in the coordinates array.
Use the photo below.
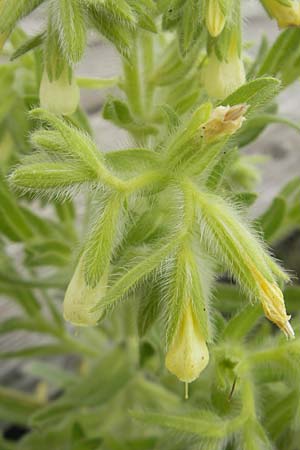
{"type": "Point", "coordinates": [14, 10]}
{"type": "Point", "coordinates": [16, 406]}
{"type": "Point", "coordinates": [12, 214]}
{"type": "Point", "coordinates": [50, 177]}
{"type": "Point", "coordinates": [256, 93]}
{"type": "Point", "coordinates": [69, 22]}
{"type": "Point", "coordinates": [103, 239]}
{"type": "Point", "coordinates": [138, 270]}
{"type": "Point", "coordinates": [31, 44]}
{"type": "Point", "coordinates": [80, 145]}
{"type": "Point", "coordinates": [205, 424]}
{"type": "Point", "coordinates": [119, 34]}
{"type": "Point", "coordinates": [119, 10]}
{"type": "Point", "coordinates": [272, 219]}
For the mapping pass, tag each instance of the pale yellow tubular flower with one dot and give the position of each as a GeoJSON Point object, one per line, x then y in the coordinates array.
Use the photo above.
{"type": "Point", "coordinates": [272, 301]}
{"type": "Point", "coordinates": [224, 121]}
{"type": "Point", "coordinates": [286, 15]}
{"type": "Point", "coordinates": [214, 18]}
{"type": "Point", "coordinates": [221, 78]}
{"type": "Point", "coordinates": [81, 298]}
{"type": "Point", "coordinates": [59, 96]}
{"type": "Point", "coordinates": [187, 355]}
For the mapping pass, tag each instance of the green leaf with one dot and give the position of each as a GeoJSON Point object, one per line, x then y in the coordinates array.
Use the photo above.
{"type": "Point", "coordinates": [260, 56]}
{"type": "Point", "coordinates": [49, 177]}
{"type": "Point", "coordinates": [31, 44]}
{"type": "Point", "coordinates": [145, 12]}
{"type": "Point", "coordinates": [38, 351]}
{"type": "Point", "coordinates": [245, 199]}
{"type": "Point", "coordinates": [256, 124]}
{"type": "Point", "coordinates": [118, 33]}
{"type": "Point", "coordinates": [284, 50]}
{"type": "Point", "coordinates": [16, 407]}
{"type": "Point", "coordinates": [80, 146]}
{"type": "Point", "coordinates": [138, 270]}
{"type": "Point", "coordinates": [133, 161]}
{"type": "Point", "coordinates": [119, 11]}
{"type": "Point", "coordinates": [19, 293]}
{"type": "Point", "coordinates": [106, 378]}
{"type": "Point", "coordinates": [291, 297]}
{"type": "Point", "coordinates": [242, 323]}
{"type": "Point", "coordinates": [14, 10]}
{"type": "Point", "coordinates": [203, 423]}
{"type": "Point", "coordinates": [291, 190]}
{"type": "Point", "coordinates": [149, 309]}
{"type": "Point", "coordinates": [12, 214]}
{"type": "Point", "coordinates": [256, 93]}
{"type": "Point", "coordinates": [24, 324]}
{"type": "Point", "coordinates": [56, 376]}
{"type": "Point", "coordinates": [118, 112]}
{"type": "Point", "coordinates": [70, 26]}
{"type": "Point", "coordinates": [79, 143]}
{"type": "Point", "coordinates": [101, 242]}
{"type": "Point", "coordinates": [271, 221]}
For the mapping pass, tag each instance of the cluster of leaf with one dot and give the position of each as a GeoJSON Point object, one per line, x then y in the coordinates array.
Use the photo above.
{"type": "Point", "coordinates": [248, 398]}
{"type": "Point", "coordinates": [65, 31]}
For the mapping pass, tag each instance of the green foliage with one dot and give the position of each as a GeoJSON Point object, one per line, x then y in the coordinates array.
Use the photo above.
{"type": "Point", "coordinates": [155, 229]}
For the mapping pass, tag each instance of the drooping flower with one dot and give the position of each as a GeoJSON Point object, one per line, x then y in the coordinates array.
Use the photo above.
{"type": "Point", "coordinates": [81, 298]}
{"type": "Point", "coordinates": [272, 301]}
{"type": "Point", "coordinates": [222, 77]}
{"type": "Point", "coordinates": [187, 355]}
{"type": "Point", "coordinates": [61, 95]}
{"type": "Point", "coordinates": [286, 13]}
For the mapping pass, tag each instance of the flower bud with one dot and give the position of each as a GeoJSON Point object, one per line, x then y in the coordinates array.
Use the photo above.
{"type": "Point", "coordinates": [187, 355]}
{"type": "Point", "coordinates": [214, 18]}
{"type": "Point", "coordinates": [81, 298]}
{"type": "Point", "coordinates": [60, 96]}
{"type": "Point", "coordinates": [221, 78]}
{"type": "Point", "coordinates": [244, 257]}
{"type": "Point", "coordinates": [224, 121]}
{"type": "Point", "coordinates": [286, 13]}
{"type": "Point", "coordinates": [272, 302]}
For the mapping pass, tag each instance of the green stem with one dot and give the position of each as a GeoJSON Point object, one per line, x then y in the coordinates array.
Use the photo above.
{"type": "Point", "coordinates": [132, 82]}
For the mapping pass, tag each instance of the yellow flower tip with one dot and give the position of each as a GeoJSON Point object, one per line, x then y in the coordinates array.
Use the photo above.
{"type": "Point", "coordinates": [272, 301]}
{"type": "Point", "coordinates": [287, 15]}
{"type": "Point", "coordinates": [214, 19]}
{"type": "Point", "coordinates": [224, 121]}
{"type": "Point", "coordinates": [274, 308]}
{"type": "Point", "coordinates": [187, 355]}
{"type": "Point", "coordinates": [59, 96]}
{"type": "Point", "coordinates": [80, 299]}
